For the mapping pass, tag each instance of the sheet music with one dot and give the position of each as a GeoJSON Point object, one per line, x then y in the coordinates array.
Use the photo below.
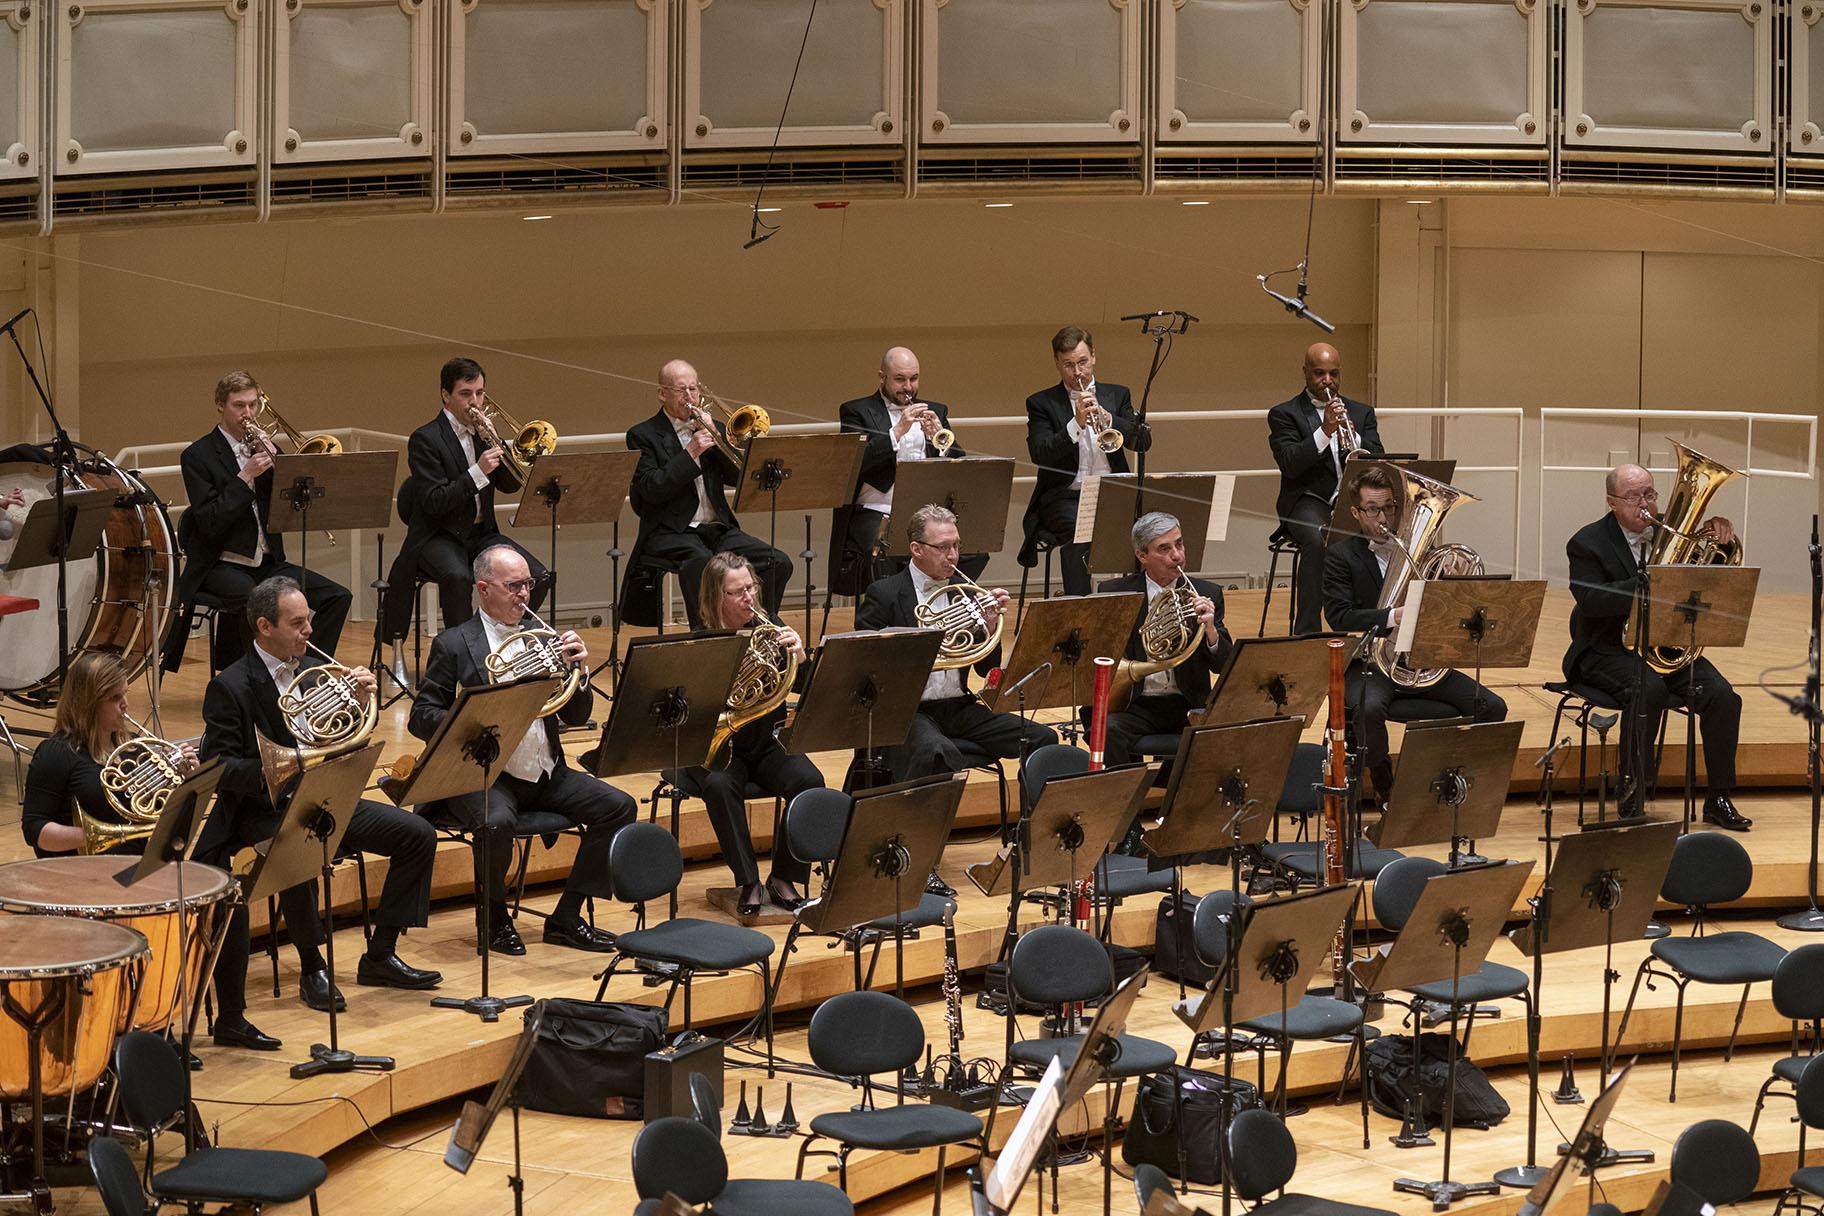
{"type": "Point", "coordinates": [1086, 509]}
{"type": "Point", "coordinates": [1029, 1136]}
{"type": "Point", "coordinates": [1220, 502]}
{"type": "Point", "coordinates": [1409, 616]}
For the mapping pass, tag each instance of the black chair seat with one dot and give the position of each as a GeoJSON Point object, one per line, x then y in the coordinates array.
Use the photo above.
{"type": "Point", "coordinates": [1583, 692]}
{"type": "Point", "coordinates": [1301, 857]}
{"type": "Point", "coordinates": [1721, 958]}
{"type": "Point", "coordinates": [706, 945]}
{"type": "Point", "coordinates": [1810, 1180]}
{"type": "Point", "coordinates": [770, 1197]}
{"type": "Point", "coordinates": [1156, 745]}
{"type": "Point", "coordinates": [1489, 982]}
{"type": "Point", "coordinates": [1419, 709]}
{"type": "Point", "coordinates": [540, 823]}
{"type": "Point", "coordinates": [242, 1175]}
{"type": "Point", "coordinates": [1312, 1205]}
{"type": "Point", "coordinates": [1119, 876]}
{"type": "Point", "coordinates": [1138, 1056]}
{"type": "Point", "coordinates": [930, 911]}
{"type": "Point", "coordinates": [1314, 1017]}
{"type": "Point", "coordinates": [1790, 1068]}
{"type": "Point", "coordinates": [899, 1128]}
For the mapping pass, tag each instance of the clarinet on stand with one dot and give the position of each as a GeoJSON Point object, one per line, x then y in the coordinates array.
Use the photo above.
{"type": "Point", "coordinates": [1811, 919]}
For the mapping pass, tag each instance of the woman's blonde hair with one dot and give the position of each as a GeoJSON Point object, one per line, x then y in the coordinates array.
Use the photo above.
{"type": "Point", "coordinates": [709, 591]}
{"type": "Point", "coordinates": [94, 676]}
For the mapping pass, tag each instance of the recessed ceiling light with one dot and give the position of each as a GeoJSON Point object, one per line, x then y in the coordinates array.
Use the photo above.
{"type": "Point", "coordinates": [997, 204]}
{"type": "Point", "coordinates": [767, 210]}
{"type": "Point", "coordinates": [1420, 202]}
{"type": "Point", "coordinates": [1196, 202]}
{"type": "Point", "coordinates": [536, 217]}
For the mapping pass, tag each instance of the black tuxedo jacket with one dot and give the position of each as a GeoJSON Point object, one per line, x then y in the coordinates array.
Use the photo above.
{"type": "Point", "coordinates": [218, 521]}
{"type": "Point", "coordinates": [1195, 675]}
{"type": "Point", "coordinates": [664, 496]}
{"type": "Point", "coordinates": [1352, 585]}
{"type": "Point", "coordinates": [879, 460]}
{"type": "Point", "coordinates": [1048, 442]}
{"type": "Point", "coordinates": [890, 603]}
{"type": "Point", "coordinates": [241, 700]}
{"type": "Point", "coordinates": [1303, 469]}
{"type": "Point", "coordinates": [1603, 572]}
{"type": "Point", "coordinates": [459, 658]}
{"type": "Point", "coordinates": [439, 496]}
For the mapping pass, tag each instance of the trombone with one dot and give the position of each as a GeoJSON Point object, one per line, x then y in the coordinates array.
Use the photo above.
{"type": "Point", "coordinates": [745, 423]}
{"type": "Point", "coordinates": [530, 441]}
{"type": "Point", "coordinates": [267, 421]}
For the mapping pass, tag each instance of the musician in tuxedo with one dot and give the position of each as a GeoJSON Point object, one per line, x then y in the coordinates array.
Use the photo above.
{"type": "Point", "coordinates": [1062, 423]}
{"type": "Point", "coordinates": [225, 534]}
{"type": "Point", "coordinates": [1355, 568]}
{"type": "Point", "coordinates": [535, 776]}
{"type": "Point", "coordinates": [947, 710]}
{"type": "Point", "coordinates": [1606, 557]}
{"type": "Point", "coordinates": [731, 600]}
{"type": "Point", "coordinates": [899, 427]}
{"type": "Point", "coordinates": [1304, 434]}
{"type": "Point", "coordinates": [678, 494]}
{"type": "Point", "coordinates": [1160, 703]}
{"type": "Point", "coordinates": [240, 705]}
{"type": "Point", "coordinates": [447, 504]}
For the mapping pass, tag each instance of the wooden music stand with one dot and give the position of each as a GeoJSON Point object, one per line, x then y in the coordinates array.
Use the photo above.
{"type": "Point", "coordinates": [1270, 678]}
{"type": "Point", "coordinates": [1585, 1155]}
{"type": "Point", "coordinates": [670, 695]}
{"type": "Point", "coordinates": [1107, 513]}
{"type": "Point", "coordinates": [1451, 784]}
{"type": "Point", "coordinates": [862, 686]}
{"type": "Point", "coordinates": [332, 492]}
{"type": "Point", "coordinates": [1283, 941]}
{"type": "Point", "coordinates": [1342, 523]}
{"type": "Point", "coordinates": [477, 1119]}
{"type": "Point", "coordinates": [1225, 787]}
{"type": "Point", "coordinates": [573, 488]}
{"type": "Point", "coordinates": [1080, 815]}
{"type": "Point", "coordinates": [1069, 633]}
{"type": "Point", "coordinates": [1476, 623]}
{"type": "Point", "coordinates": [186, 811]}
{"type": "Point", "coordinates": [976, 489]}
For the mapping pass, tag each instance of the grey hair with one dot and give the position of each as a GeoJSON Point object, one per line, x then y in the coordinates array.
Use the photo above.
{"type": "Point", "coordinates": [924, 517]}
{"type": "Point", "coordinates": [263, 600]}
{"type": "Point", "coordinates": [483, 565]}
{"type": "Point", "coordinates": [1150, 527]}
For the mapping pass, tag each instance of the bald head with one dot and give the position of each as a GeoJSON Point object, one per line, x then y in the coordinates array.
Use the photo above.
{"type": "Point", "coordinates": [899, 376]}
{"type": "Point", "coordinates": [1630, 492]}
{"type": "Point", "coordinates": [679, 391]}
{"type": "Point", "coordinates": [1323, 370]}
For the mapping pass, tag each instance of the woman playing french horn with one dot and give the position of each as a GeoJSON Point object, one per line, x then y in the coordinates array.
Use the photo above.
{"type": "Point", "coordinates": [728, 598]}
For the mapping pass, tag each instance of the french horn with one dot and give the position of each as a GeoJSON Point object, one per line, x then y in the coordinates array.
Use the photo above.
{"type": "Point", "coordinates": [968, 638]}
{"type": "Point", "coordinates": [137, 777]}
{"type": "Point", "coordinates": [1169, 635]}
{"type": "Point", "coordinates": [329, 715]}
{"type": "Point", "coordinates": [763, 680]}
{"type": "Point", "coordinates": [538, 655]}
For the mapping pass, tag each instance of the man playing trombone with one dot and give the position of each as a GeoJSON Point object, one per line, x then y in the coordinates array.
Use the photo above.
{"type": "Point", "coordinates": [686, 460]}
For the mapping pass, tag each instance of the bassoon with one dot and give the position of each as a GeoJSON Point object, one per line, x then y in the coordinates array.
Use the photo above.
{"type": "Point", "coordinates": [1335, 871]}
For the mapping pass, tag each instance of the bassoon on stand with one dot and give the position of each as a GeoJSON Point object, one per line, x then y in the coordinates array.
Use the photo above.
{"type": "Point", "coordinates": [1335, 871]}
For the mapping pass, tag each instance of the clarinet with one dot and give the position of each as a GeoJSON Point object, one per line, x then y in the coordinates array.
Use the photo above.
{"type": "Point", "coordinates": [953, 1002]}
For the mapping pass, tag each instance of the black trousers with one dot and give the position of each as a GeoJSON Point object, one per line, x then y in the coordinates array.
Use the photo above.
{"type": "Point", "coordinates": [585, 800]}
{"type": "Point", "coordinates": [724, 792]}
{"type": "Point", "coordinates": [231, 584]}
{"type": "Point", "coordinates": [450, 564]}
{"type": "Point", "coordinates": [930, 745]}
{"type": "Point", "coordinates": [1371, 696]}
{"type": "Point", "coordinates": [407, 842]}
{"type": "Point", "coordinates": [1161, 715]}
{"type": "Point", "coordinates": [1059, 515]}
{"type": "Point", "coordinates": [1699, 685]}
{"type": "Point", "coordinates": [695, 546]}
{"type": "Point", "coordinates": [855, 530]}
{"type": "Point", "coordinates": [1306, 525]}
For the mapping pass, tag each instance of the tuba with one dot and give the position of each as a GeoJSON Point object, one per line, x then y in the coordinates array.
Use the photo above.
{"type": "Point", "coordinates": [1169, 636]}
{"type": "Point", "coordinates": [530, 441]}
{"type": "Point", "coordinates": [137, 777]}
{"type": "Point", "coordinates": [1421, 556]}
{"type": "Point", "coordinates": [539, 656]}
{"type": "Point", "coordinates": [331, 717]}
{"type": "Point", "coordinates": [968, 639]}
{"type": "Point", "coordinates": [1679, 540]}
{"type": "Point", "coordinates": [762, 681]}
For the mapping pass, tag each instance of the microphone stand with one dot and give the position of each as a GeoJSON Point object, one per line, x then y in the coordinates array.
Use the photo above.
{"type": "Point", "coordinates": [63, 455]}
{"type": "Point", "coordinates": [1158, 326]}
{"type": "Point", "coordinates": [1811, 919]}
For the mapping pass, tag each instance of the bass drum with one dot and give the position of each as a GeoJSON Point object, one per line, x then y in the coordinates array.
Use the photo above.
{"type": "Point", "coordinates": [119, 598]}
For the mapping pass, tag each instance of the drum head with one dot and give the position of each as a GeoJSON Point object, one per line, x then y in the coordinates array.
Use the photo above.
{"type": "Point", "coordinates": [30, 651]}
{"type": "Point", "coordinates": [59, 946]}
{"type": "Point", "coordinates": [85, 886]}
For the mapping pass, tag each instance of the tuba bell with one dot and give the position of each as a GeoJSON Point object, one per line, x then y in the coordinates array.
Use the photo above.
{"type": "Point", "coordinates": [1421, 555]}
{"type": "Point", "coordinates": [1169, 635]}
{"type": "Point", "coordinates": [530, 441]}
{"type": "Point", "coordinates": [331, 717]}
{"type": "Point", "coordinates": [1680, 538]}
{"type": "Point", "coordinates": [538, 656]}
{"type": "Point", "coordinates": [762, 682]}
{"type": "Point", "coordinates": [137, 777]}
{"type": "Point", "coordinates": [968, 638]}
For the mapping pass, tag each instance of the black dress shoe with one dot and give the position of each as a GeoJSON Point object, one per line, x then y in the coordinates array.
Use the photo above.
{"type": "Point", "coordinates": [937, 886]}
{"type": "Point", "coordinates": [747, 900]}
{"type": "Point", "coordinates": [244, 1034]}
{"type": "Point", "coordinates": [791, 903]}
{"type": "Point", "coordinates": [393, 972]}
{"type": "Point", "coordinates": [1720, 812]}
{"type": "Point", "coordinates": [314, 989]}
{"type": "Point", "coordinates": [578, 934]}
{"type": "Point", "coordinates": [505, 939]}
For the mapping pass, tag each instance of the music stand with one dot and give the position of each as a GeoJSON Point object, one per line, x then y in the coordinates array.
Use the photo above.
{"type": "Point", "coordinates": [864, 686]}
{"type": "Point", "coordinates": [61, 529]}
{"type": "Point", "coordinates": [323, 801]}
{"type": "Point", "coordinates": [1270, 678]}
{"type": "Point", "coordinates": [1342, 522]}
{"type": "Point", "coordinates": [1451, 785]}
{"type": "Point", "coordinates": [591, 488]}
{"type": "Point", "coordinates": [1690, 607]}
{"type": "Point", "coordinates": [1586, 1152]}
{"type": "Point", "coordinates": [976, 489]}
{"type": "Point", "coordinates": [484, 725]}
{"type": "Point", "coordinates": [332, 491]}
{"type": "Point", "coordinates": [1075, 815]}
{"type": "Point", "coordinates": [671, 691]}
{"type": "Point", "coordinates": [1610, 877]}
{"type": "Point", "coordinates": [1471, 622]}
{"type": "Point", "coordinates": [799, 473]}
{"type": "Point", "coordinates": [471, 1128]}
{"type": "Point", "coordinates": [1453, 923]}
{"type": "Point", "coordinates": [1224, 788]}
{"type": "Point", "coordinates": [1066, 633]}
{"type": "Point", "coordinates": [1109, 511]}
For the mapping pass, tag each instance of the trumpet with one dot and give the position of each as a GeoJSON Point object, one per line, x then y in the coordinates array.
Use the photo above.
{"type": "Point", "coordinates": [539, 655]}
{"type": "Point", "coordinates": [331, 716]}
{"type": "Point", "coordinates": [1107, 437]}
{"type": "Point", "coordinates": [137, 777]}
{"type": "Point", "coordinates": [968, 638]}
{"type": "Point", "coordinates": [530, 441]}
{"type": "Point", "coordinates": [1346, 437]}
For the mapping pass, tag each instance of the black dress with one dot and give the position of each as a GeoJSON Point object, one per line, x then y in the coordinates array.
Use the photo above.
{"type": "Point", "coordinates": [62, 777]}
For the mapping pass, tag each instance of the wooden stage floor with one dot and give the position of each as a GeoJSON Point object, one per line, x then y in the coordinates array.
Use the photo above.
{"type": "Point", "coordinates": [575, 1165]}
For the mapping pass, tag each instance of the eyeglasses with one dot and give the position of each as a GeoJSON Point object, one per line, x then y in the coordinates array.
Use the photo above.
{"type": "Point", "coordinates": [1386, 510]}
{"type": "Point", "coordinates": [1635, 499]}
{"type": "Point", "coordinates": [949, 547]}
{"type": "Point", "coordinates": [519, 586]}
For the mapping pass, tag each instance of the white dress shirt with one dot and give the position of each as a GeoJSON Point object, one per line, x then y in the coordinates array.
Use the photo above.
{"type": "Point", "coordinates": [1162, 683]}
{"type": "Point", "coordinates": [465, 436]}
{"type": "Point", "coordinates": [1092, 461]}
{"type": "Point", "coordinates": [259, 529]}
{"type": "Point", "coordinates": [283, 672]}
{"type": "Point", "coordinates": [1638, 543]}
{"type": "Point", "coordinates": [531, 760]}
{"type": "Point", "coordinates": [910, 446]}
{"type": "Point", "coordinates": [947, 682]}
{"type": "Point", "coordinates": [705, 512]}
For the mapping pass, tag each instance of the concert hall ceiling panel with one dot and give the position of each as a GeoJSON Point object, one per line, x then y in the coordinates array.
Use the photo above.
{"type": "Point", "coordinates": [1239, 70]}
{"type": "Point", "coordinates": [352, 79]}
{"type": "Point", "coordinates": [20, 60]}
{"type": "Point", "coordinates": [1443, 72]}
{"type": "Point", "coordinates": [1807, 127]}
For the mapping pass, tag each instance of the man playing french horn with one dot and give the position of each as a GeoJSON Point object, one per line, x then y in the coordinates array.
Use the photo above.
{"type": "Point", "coordinates": [536, 776]}
{"type": "Point", "coordinates": [241, 705]}
{"type": "Point", "coordinates": [1182, 613]}
{"type": "Point", "coordinates": [752, 754]}
{"type": "Point", "coordinates": [1355, 570]}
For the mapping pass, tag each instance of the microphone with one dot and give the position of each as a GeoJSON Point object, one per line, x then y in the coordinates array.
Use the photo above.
{"type": "Point", "coordinates": [1295, 306]}
{"type": "Point", "coordinates": [1801, 706]}
{"type": "Point", "coordinates": [1042, 669]}
{"type": "Point", "coordinates": [1147, 316]}
{"type": "Point", "coordinates": [17, 317]}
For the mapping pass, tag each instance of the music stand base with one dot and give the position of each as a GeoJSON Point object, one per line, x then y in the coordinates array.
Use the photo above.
{"type": "Point", "coordinates": [1615, 1156]}
{"type": "Point", "coordinates": [487, 1008]}
{"type": "Point", "coordinates": [1810, 920]}
{"type": "Point", "coordinates": [1523, 1177]}
{"type": "Point", "coordinates": [323, 1059]}
{"type": "Point", "coordinates": [1443, 1194]}
{"type": "Point", "coordinates": [38, 1198]}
